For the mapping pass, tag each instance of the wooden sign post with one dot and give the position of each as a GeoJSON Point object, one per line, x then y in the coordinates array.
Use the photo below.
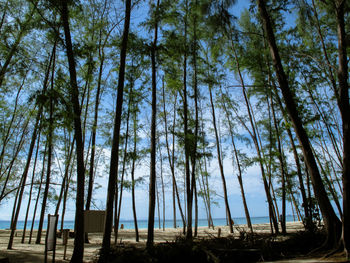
{"type": "Point", "coordinates": [50, 240]}
{"type": "Point", "coordinates": [65, 236]}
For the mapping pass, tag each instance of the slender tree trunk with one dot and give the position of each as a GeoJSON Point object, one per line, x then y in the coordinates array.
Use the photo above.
{"type": "Point", "coordinates": [152, 180]}
{"type": "Point", "coordinates": [118, 207]}
{"type": "Point", "coordinates": [195, 210]}
{"type": "Point", "coordinates": [239, 175]}
{"type": "Point", "coordinates": [162, 183]}
{"type": "Point", "coordinates": [31, 188]}
{"type": "Point", "coordinates": [305, 205]}
{"type": "Point", "coordinates": [171, 158]}
{"type": "Point", "coordinates": [30, 152]}
{"type": "Point", "coordinates": [9, 134]}
{"type": "Point", "coordinates": [113, 169]}
{"type": "Point", "coordinates": [48, 171]}
{"type": "Point", "coordinates": [344, 107]}
{"type": "Point", "coordinates": [65, 176]}
{"type": "Point", "coordinates": [332, 223]}
{"type": "Point", "coordinates": [133, 177]}
{"type": "Point", "coordinates": [220, 162]}
{"type": "Point", "coordinates": [29, 157]}
{"type": "Point", "coordinates": [93, 140]}
{"type": "Point", "coordinates": [254, 137]}
{"type": "Point", "coordinates": [282, 167]}
{"type": "Point", "coordinates": [16, 150]}
{"type": "Point", "coordinates": [65, 197]}
{"type": "Point", "coordinates": [158, 207]}
{"type": "Point", "coordinates": [38, 194]}
{"type": "Point", "coordinates": [193, 152]}
{"type": "Point", "coordinates": [78, 251]}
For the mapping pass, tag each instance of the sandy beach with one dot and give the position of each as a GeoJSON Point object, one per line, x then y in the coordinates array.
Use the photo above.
{"type": "Point", "coordinates": [31, 253]}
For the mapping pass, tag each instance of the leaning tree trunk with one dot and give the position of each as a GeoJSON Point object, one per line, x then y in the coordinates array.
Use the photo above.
{"type": "Point", "coordinates": [220, 162]}
{"type": "Point", "coordinates": [31, 188]}
{"type": "Point", "coordinates": [38, 194]}
{"type": "Point", "coordinates": [30, 152]}
{"type": "Point", "coordinates": [171, 158]}
{"type": "Point", "coordinates": [306, 207]}
{"type": "Point", "coordinates": [254, 135]}
{"type": "Point", "coordinates": [331, 221]}
{"type": "Point", "coordinates": [239, 175]}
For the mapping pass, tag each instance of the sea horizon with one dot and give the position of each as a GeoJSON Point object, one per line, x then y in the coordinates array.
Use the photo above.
{"type": "Point", "coordinates": [143, 223]}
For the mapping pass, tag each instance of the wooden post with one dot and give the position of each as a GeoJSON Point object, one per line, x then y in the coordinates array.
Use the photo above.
{"type": "Point", "coordinates": [65, 235]}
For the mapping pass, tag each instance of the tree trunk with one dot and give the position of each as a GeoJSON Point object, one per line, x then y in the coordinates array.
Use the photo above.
{"type": "Point", "coordinates": [220, 162]}
{"type": "Point", "coordinates": [113, 169]}
{"type": "Point", "coordinates": [282, 167]}
{"type": "Point", "coordinates": [133, 177]}
{"type": "Point", "coordinates": [344, 107]}
{"type": "Point", "coordinates": [65, 176]}
{"type": "Point", "coordinates": [31, 188]}
{"type": "Point", "coordinates": [171, 158]}
{"type": "Point", "coordinates": [194, 141]}
{"type": "Point", "coordinates": [162, 183]}
{"type": "Point", "coordinates": [30, 153]}
{"type": "Point", "coordinates": [254, 135]}
{"type": "Point", "coordinates": [117, 206]}
{"type": "Point", "coordinates": [239, 175]}
{"type": "Point", "coordinates": [38, 194]}
{"type": "Point", "coordinates": [93, 140]}
{"type": "Point", "coordinates": [48, 170]}
{"type": "Point", "coordinates": [78, 251]}
{"type": "Point", "coordinates": [331, 221]}
{"type": "Point", "coordinates": [189, 197]}
{"type": "Point", "coordinates": [152, 179]}
{"type": "Point", "coordinates": [305, 205]}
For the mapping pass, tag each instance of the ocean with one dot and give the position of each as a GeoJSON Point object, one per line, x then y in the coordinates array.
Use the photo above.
{"type": "Point", "coordinates": [142, 224]}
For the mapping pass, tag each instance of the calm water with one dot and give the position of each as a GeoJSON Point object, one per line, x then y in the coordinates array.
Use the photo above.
{"type": "Point", "coordinates": [129, 224]}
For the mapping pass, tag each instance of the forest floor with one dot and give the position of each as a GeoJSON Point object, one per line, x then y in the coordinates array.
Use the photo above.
{"type": "Point", "coordinates": [31, 253]}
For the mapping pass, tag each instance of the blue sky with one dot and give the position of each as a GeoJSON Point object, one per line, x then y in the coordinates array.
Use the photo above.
{"type": "Point", "coordinates": [252, 180]}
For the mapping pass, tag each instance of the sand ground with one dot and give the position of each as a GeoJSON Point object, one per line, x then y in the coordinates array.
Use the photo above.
{"type": "Point", "coordinates": [31, 253]}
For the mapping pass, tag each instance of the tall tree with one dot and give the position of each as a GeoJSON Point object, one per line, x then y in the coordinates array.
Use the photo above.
{"type": "Point", "coordinates": [152, 179]}
{"type": "Point", "coordinates": [113, 169]}
{"type": "Point", "coordinates": [344, 107]}
{"type": "Point", "coordinates": [332, 223]}
{"type": "Point", "coordinates": [78, 251]}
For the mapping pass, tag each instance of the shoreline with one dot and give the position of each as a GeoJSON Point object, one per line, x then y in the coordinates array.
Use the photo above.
{"type": "Point", "coordinates": [142, 223]}
{"type": "Point", "coordinates": [35, 252]}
